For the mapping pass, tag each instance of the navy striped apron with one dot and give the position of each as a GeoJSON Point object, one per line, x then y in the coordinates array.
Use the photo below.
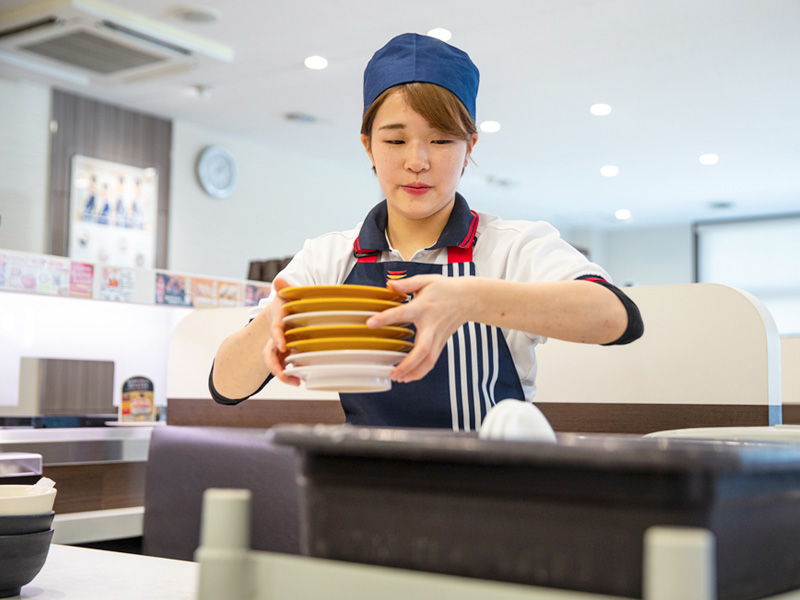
{"type": "Point", "coordinates": [474, 371]}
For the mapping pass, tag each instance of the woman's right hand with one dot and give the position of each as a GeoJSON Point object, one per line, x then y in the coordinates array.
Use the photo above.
{"type": "Point", "coordinates": [275, 351]}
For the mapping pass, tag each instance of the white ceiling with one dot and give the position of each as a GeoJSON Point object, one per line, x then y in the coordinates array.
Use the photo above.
{"type": "Point", "coordinates": [684, 77]}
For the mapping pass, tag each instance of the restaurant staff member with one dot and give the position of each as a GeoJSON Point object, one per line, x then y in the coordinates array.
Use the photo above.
{"type": "Point", "coordinates": [484, 291]}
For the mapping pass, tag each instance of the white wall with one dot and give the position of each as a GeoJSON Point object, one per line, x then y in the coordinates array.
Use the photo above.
{"type": "Point", "coordinates": [134, 336]}
{"type": "Point", "coordinates": [650, 256]}
{"type": "Point", "coordinates": [280, 200]}
{"type": "Point", "coordinates": [24, 160]}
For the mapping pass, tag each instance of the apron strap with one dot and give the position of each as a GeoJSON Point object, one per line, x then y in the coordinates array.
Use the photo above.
{"type": "Point", "coordinates": [363, 255]}
{"type": "Point", "coordinates": [463, 252]}
{"type": "Point", "coordinates": [457, 254]}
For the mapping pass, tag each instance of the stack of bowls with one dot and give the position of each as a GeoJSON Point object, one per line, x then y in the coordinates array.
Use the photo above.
{"type": "Point", "coordinates": [331, 348]}
{"type": "Point", "coordinates": [26, 518]}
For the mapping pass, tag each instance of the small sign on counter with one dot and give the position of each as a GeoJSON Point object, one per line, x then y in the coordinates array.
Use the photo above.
{"type": "Point", "coordinates": [138, 403]}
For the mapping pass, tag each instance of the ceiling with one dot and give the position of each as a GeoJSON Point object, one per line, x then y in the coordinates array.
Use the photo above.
{"type": "Point", "coordinates": [683, 78]}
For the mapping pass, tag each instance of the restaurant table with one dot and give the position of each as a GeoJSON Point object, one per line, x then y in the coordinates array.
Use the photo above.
{"type": "Point", "coordinates": [76, 573]}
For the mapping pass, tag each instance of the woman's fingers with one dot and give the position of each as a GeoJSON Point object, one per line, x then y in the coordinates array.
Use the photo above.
{"type": "Point", "coordinates": [275, 361]}
{"type": "Point", "coordinates": [391, 316]}
{"type": "Point", "coordinates": [420, 360]}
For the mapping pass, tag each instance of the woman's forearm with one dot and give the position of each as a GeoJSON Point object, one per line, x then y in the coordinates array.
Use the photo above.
{"type": "Point", "coordinates": [239, 367]}
{"type": "Point", "coordinates": [574, 311]}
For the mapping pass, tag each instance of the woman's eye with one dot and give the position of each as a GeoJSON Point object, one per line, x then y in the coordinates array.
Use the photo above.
{"type": "Point", "coordinates": [394, 142]}
{"type": "Point", "coordinates": [442, 141]}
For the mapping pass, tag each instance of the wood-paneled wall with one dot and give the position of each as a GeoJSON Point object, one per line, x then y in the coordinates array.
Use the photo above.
{"type": "Point", "coordinates": [112, 133]}
{"type": "Point", "coordinates": [76, 387]}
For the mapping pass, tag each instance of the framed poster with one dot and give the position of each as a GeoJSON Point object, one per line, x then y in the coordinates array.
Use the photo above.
{"type": "Point", "coordinates": [113, 210]}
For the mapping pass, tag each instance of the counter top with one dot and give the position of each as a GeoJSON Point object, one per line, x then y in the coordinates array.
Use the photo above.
{"type": "Point", "coordinates": [67, 445]}
{"type": "Point", "coordinates": [84, 574]}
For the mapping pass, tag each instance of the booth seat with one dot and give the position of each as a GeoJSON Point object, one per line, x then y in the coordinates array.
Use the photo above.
{"type": "Point", "coordinates": [185, 461]}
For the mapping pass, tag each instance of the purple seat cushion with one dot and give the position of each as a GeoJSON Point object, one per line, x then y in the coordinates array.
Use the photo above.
{"type": "Point", "coordinates": [185, 461]}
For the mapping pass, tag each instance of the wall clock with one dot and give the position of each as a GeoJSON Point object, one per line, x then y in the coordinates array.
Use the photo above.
{"type": "Point", "coordinates": [216, 169]}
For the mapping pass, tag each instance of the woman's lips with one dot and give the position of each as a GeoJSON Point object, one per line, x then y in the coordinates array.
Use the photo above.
{"type": "Point", "coordinates": [416, 189]}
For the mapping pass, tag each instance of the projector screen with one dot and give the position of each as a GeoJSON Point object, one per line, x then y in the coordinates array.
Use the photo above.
{"type": "Point", "coordinates": [761, 256]}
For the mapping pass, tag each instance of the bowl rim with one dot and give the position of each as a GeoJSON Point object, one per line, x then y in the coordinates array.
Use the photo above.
{"type": "Point", "coordinates": [49, 513]}
{"type": "Point", "coordinates": [21, 486]}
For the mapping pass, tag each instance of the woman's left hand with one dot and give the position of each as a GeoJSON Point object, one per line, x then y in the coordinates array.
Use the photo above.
{"type": "Point", "coordinates": [437, 310]}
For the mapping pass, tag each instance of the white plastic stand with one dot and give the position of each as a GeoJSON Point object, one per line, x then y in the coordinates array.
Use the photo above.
{"type": "Point", "coordinates": [224, 545]}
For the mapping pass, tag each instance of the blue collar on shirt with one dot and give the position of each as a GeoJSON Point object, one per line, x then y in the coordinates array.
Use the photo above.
{"type": "Point", "coordinates": [459, 231]}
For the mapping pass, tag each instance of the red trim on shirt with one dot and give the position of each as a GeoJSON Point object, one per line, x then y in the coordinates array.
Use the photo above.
{"type": "Point", "coordinates": [473, 227]}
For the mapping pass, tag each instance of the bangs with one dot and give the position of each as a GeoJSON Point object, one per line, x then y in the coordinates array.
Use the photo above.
{"type": "Point", "coordinates": [438, 106]}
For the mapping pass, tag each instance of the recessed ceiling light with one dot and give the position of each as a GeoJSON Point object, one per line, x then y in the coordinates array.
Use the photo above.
{"type": "Point", "coordinates": [440, 34]}
{"type": "Point", "coordinates": [609, 171]}
{"type": "Point", "coordinates": [489, 126]}
{"type": "Point", "coordinates": [316, 62]}
{"type": "Point", "coordinates": [600, 110]}
{"type": "Point", "coordinates": [708, 159]}
{"type": "Point", "coordinates": [623, 214]}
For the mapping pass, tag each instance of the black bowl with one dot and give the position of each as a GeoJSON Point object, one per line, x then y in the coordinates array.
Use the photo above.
{"type": "Point", "coordinates": [21, 559]}
{"type": "Point", "coordinates": [19, 524]}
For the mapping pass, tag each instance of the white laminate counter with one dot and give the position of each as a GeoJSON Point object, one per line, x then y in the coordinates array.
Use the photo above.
{"type": "Point", "coordinates": [72, 573]}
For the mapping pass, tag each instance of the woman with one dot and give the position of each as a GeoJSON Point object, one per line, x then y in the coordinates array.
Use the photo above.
{"type": "Point", "coordinates": [484, 291]}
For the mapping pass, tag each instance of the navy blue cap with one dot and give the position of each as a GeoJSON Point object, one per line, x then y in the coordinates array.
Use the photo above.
{"type": "Point", "coordinates": [412, 57]}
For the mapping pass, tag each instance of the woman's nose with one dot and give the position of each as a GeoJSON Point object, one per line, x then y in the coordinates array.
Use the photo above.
{"type": "Point", "coordinates": [416, 158]}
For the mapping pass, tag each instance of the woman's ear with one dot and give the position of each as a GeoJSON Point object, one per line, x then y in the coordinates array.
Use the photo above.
{"type": "Point", "coordinates": [367, 143]}
{"type": "Point", "coordinates": [470, 145]}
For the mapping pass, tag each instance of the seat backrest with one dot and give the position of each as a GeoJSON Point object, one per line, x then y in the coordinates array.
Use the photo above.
{"type": "Point", "coordinates": [185, 461]}
{"type": "Point", "coordinates": [194, 344]}
{"type": "Point", "coordinates": [709, 356]}
{"type": "Point", "coordinates": [192, 348]}
{"type": "Point", "coordinates": [790, 378]}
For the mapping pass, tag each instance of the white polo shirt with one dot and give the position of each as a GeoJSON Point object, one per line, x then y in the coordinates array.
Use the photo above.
{"type": "Point", "coordinates": [523, 251]}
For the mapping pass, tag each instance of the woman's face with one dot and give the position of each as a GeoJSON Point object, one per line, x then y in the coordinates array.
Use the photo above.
{"type": "Point", "coordinates": [418, 167]}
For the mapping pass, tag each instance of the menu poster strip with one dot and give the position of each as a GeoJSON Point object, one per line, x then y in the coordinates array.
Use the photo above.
{"type": "Point", "coordinates": [117, 284]}
{"type": "Point", "coordinates": [36, 274]}
{"type": "Point", "coordinates": [230, 293]}
{"type": "Point", "coordinates": [204, 292]}
{"type": "Point", "coordinates": [81, 280]}
{"type": "Point", "coordinates": [173, 290]}
{"type": "Point", "coordinates": [255, 292]}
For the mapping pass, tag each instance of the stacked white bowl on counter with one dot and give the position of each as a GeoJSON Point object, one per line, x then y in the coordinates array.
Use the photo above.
{"type": "Point", "coordinates": [26, 518]}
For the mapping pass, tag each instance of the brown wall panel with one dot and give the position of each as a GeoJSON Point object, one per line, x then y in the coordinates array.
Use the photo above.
{"type": "Point", "coordinates": [594, 417]}
{"type": "Point", "coordinates": [252, 413]}
{"type": "Point", "coordinates": [110, 133]}
{"type": "Point", "coordinates": [87, 487]}
{"type": "Point", "coordinates": [589, 417]}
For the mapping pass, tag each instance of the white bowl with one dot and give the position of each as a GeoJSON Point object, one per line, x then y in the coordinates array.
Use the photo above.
{"type": "Point", "coordinates": [515, 420]}
{"type": "Point", "coordinates": [15, 500]}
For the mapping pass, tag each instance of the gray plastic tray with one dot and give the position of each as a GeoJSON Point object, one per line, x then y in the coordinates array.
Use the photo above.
{"type": "Point", "coordinates": [570, 515]}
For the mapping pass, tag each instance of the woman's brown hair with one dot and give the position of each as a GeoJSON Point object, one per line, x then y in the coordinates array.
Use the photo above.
{"type": "Point", "coordinates": [437, 105]}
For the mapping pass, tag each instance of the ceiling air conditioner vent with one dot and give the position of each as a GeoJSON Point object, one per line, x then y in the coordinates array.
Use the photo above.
{"type": "Point", "coordinates": [99, 42]}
